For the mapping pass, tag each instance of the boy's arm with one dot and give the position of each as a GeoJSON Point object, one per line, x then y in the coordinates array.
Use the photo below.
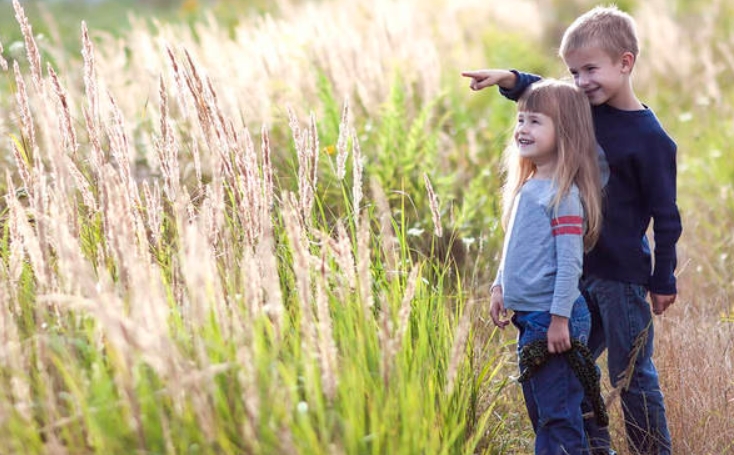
{"type": "Point", "coordinates": [659, 180]}
{"type": "Point", "coordinates": [522, 82]}
{"type": "Point", "coordinates": [512, 83]}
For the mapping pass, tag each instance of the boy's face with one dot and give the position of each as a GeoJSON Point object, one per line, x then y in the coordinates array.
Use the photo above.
{"type": "Point", "coordinates": [602, 78]}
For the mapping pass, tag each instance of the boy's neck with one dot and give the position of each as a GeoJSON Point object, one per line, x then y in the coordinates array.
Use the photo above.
{"type": "Point", "coordinates": [626, 100]}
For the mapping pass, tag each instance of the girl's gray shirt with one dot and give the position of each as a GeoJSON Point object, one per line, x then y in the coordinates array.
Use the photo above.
{"type": "Point", "coordinates": [543, 250]}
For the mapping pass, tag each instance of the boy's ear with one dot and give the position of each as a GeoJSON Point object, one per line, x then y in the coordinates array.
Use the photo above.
{"type": "Point", "coordinates": [628, 61]}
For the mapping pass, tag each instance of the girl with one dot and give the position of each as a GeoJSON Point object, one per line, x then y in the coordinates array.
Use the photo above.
{"type": "Point", "coordinates": [552, 213]}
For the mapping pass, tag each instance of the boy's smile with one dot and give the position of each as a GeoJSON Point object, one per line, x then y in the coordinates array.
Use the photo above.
{"type": "Point", "coordinates": [603, 78]}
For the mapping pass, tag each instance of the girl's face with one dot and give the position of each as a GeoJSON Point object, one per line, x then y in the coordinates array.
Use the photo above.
{"type": "Point", "coordinates": [535, 137]}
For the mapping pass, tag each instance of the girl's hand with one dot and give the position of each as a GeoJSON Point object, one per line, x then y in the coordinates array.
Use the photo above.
{"type": "Point", "coordinates": [497, 308]}
{"type": "Point", "coordinates": [559, 337]}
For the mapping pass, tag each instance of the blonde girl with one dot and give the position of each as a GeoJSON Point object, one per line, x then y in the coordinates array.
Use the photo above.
{"type": "Point", "coordinates": [552, 214]}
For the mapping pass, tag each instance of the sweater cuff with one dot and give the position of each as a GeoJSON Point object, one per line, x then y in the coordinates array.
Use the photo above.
{"type": "Point", "coordinates": [515, 92]}
{"type": "Point", "coordinates": [664, 286]}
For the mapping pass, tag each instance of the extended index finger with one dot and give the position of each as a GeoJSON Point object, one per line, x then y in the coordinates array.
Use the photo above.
{"type": "Point", "coordinates": [472, 74]}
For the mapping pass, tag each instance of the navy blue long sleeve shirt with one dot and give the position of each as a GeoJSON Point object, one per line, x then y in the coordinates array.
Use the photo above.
{"type": "Point", "coordinates": [641, 188]}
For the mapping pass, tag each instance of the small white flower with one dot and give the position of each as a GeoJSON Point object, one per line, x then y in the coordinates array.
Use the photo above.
{"type": "Point", "coordinates": [468, 241]}
{"type": "Point", "coordinates": [415, 232]}
{"type": "Point", "coordinates": [685, 117]}
{"type": "Point", "coordinates": [302, 407]}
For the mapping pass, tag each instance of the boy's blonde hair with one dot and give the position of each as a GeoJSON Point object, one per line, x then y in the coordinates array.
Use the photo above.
{"type": "Point", "coordinates": [577, 157]}
{"type": "Point", "coordinates": [607, 27]}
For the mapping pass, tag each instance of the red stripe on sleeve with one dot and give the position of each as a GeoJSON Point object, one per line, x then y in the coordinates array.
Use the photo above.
{"type": "Point", "coordinates": [567, 220]}
{"type": "Point", "coordinates": [567, 230]}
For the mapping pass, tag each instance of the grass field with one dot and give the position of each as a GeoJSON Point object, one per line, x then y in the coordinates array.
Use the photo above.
{"type": "Point", "coordinates": [270, 227]}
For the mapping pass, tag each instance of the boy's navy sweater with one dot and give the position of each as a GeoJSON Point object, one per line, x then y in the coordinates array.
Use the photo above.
{"type": "Point", "coordinates": [641, 187]}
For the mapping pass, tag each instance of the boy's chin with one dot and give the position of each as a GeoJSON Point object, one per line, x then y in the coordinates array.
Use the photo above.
{"type": "Point", "coordinates": [596, 99]}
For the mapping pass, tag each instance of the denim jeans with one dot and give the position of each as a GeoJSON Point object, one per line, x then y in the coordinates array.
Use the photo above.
{"type": "Point", "coordinates": [620, 313]}
{"type": "Point", "coordinates": [553, 394]}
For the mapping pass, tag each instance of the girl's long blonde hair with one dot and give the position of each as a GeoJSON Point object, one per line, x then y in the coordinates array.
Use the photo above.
{"type": "Point", "coordinates": [577, 157]}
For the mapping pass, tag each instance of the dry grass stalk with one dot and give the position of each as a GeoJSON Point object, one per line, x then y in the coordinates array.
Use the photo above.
{"type": "Point", "coordinates": [459, 346]}
{"type": "Point", "coordinates": [341, 144]}
{"type": "Point", "coordinates": [167, 149]}
{"type": "Point", "coordinates": [18, 217]}
{"type": "Point", "coordinates": [328, 353]}
{"type": "Point", "coordinates": [12, 356]}
{"type": "Point", "coordinates": [267, 174]}
{"type": "Point", "coordinates": [3, 62]}
{"type": "Point", "coordinates": [66, 127]}
{"type": "Point", "coordinates": [250, 397]}
{"type": "Point", "coordinates": [178, 78]}
{"type": "Point", "coordinates": [364, 259]}
{"type": "Point", "coordinates": [253, 209]}
{"type": "Point", "coordinates": [342, 251]}
{"type": "Point", "coordinates": [90, 75]}
{"type": "Point", "coordinates": [389, 242]}
{"type": "Point", "coordinates": [154, 210]}
{"type": "Point", "coordinates": [357, 175]}
{"type": "Point", "coordinates": [391, 335]}
{"type": "Point", "coordinates": [384, 336]}
{"type": "Point", "coordinates": [120, 149]}
{"type": "Point", "coordinates": [26, 117]}
{"type": "Point", "coordinates": [272, 294]}
{"type": "Point", "coordinates": [435, 212]}
{"type": "Point", "coordinates": [34, 56]}
{"type": "Point", "coordinates": [73, 272]}
{"type": "Point", "coordinates": [204, 295]}
{"type": "Point", "coordinates": [302, 259]}
{"type": "Point", "coordinates": [27, 174]}
{"type": "Point", "coordinates": [406, 305]}
{"type": "Point", "coordinates": [16, 254]}
{"type": "Point", "coordinates": [82, 185]}
{"type": "Point", "coordinates": [307, 150]}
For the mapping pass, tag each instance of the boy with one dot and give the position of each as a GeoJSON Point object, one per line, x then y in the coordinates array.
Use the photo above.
{"type": "Point", "coordinates": [600, 49]}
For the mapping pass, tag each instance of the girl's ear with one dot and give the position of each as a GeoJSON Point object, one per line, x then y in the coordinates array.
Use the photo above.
{"type": "Point", "coordinates": [628, 61]}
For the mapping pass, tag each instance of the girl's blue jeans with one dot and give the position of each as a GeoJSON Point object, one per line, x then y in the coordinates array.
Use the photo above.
{"type": "Point", "coordinates": [620, 313]}
{"type": "Point", "coordinates": [553, 394]}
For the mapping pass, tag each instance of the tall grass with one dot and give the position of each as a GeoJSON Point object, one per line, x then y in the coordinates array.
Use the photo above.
{"type": "Point", "coordinates": [276, 234]}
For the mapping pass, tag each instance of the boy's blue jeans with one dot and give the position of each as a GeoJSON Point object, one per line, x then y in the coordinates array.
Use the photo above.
{"type": "Point", "coordinates": [553, 394]}
{"type": "Point", "coordinates": [619, 313]}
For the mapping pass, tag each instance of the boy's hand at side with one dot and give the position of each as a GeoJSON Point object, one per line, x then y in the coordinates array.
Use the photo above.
{"type": "Point", "coordinates": [661, 302]}
{"type": "Point", "coordinates": [497, 308]}
{"type": "Point", "coordinates": [559, 336]}
{"type": "Point", "coordinates": [488, 77]}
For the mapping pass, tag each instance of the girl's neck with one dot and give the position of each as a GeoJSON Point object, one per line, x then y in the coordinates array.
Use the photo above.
{"type": "Point", "coordinates": [545, 171]}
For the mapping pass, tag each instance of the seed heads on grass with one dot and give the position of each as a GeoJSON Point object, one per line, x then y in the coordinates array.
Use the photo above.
{"type": "Point", "coordinates": [435, 212]}
{"type": "Point", "coordinates": [341, 144]}
{"type": "Point", "coordinates": [66, 126]}
{"type": "Point", "coordinates": [34, 56]}
{"type": "Point", "coordinates": [26, 117]}
{"type": "Point", "coordinates": [357, 175]}
{"type": "Point", "coordinates": [3, 62]}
